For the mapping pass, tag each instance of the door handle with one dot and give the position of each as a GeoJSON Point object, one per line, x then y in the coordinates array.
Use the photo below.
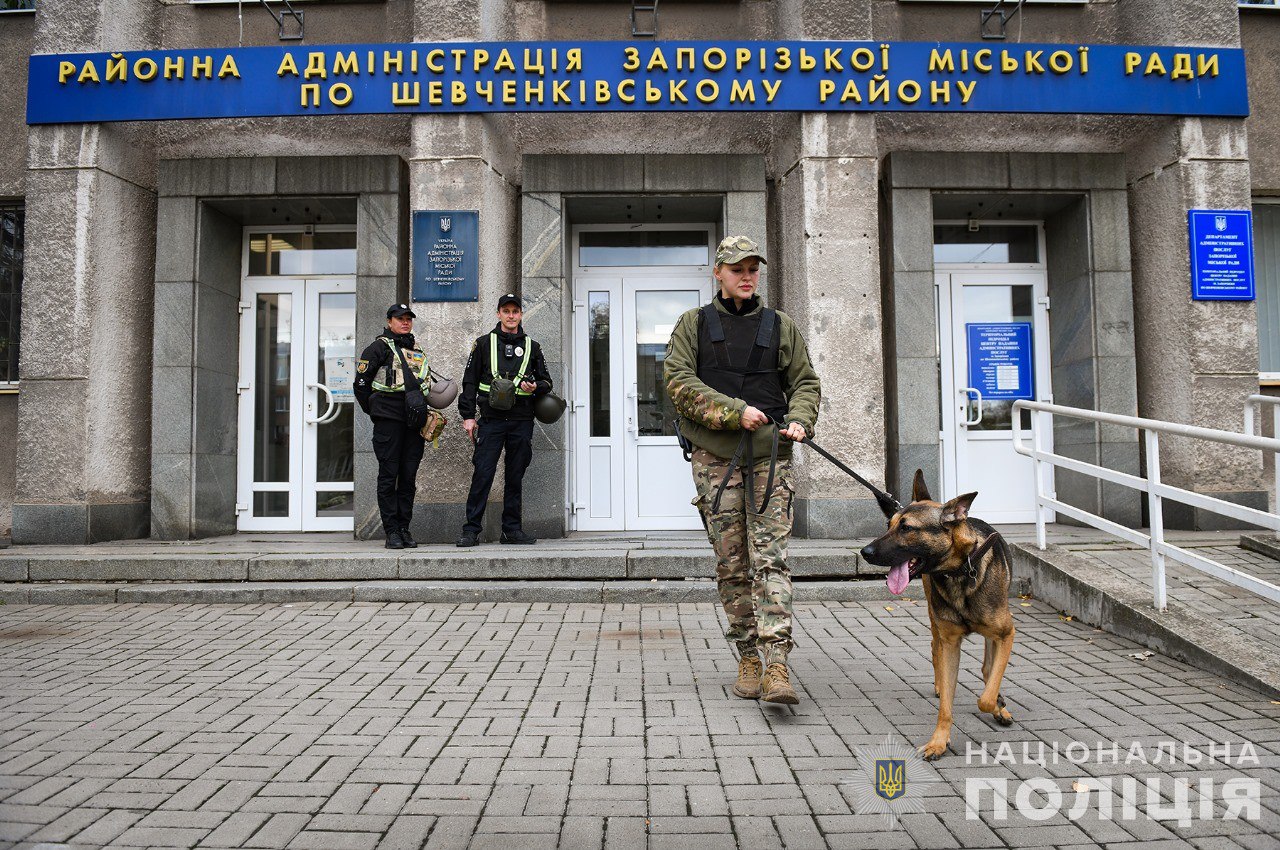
{"type": "Point", "coordinates": [965, 392]}
{"type": "Point", "coordinates": [634, 414]}
{"type": "Point", "coordinates": [331, 410]}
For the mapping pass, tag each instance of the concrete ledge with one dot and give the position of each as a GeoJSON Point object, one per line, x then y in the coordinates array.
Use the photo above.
{"type": "Point", "coordinates": [309, 568]}
{"type": "Point", "coordinates": [13, 569]}
{"type": "Point", "coordinates": [516, 562]}
{"type": "Point", "coordinates": [138, 568]}
{"type": "Point", "coordinates": [653, 591]}
{"type": "Point", "coordinates": [1264, 543]}
{"type": "Point", "coordinates": [1102, 598]}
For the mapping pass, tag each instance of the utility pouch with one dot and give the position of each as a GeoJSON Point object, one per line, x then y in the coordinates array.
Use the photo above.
{"type": "Point", "coordinates": [434, 426]}
{"type": "Point", "coordinates": [502, 394]}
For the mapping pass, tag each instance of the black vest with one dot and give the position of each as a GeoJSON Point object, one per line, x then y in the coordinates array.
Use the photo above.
{"type": "Point", "coordinates": [738, 356]}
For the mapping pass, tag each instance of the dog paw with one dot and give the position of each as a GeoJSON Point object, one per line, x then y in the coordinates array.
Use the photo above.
{"type": "Point", "coordinates": [934, 750]}
{"type": "Point", "coordinates": [1003, 717]}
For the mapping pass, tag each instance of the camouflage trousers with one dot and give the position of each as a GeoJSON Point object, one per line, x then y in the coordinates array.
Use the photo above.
{"type": "Point", "coordinates": [751, 553]}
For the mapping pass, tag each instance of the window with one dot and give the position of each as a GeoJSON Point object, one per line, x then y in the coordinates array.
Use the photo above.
{"type": "Point", "coordinates": [1260, 4]}
{"type": "Point", "coordinates": [1266, 271]}
{"type": "Point", "coordinates": [11, 224]}
{"type": "Point", "coordinates": [17, 5]}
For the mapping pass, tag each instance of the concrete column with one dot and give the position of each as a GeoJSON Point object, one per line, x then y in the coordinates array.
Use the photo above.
{"type": "Point", "coordinates": [830, 270]}
{"type": "Point", "coordinates": [460, 162]}
{"type": "Point", "coordinates": [84, 424]}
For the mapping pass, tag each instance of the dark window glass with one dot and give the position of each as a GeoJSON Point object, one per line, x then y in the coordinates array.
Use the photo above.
{"type": "Point", "coordinates": [16, 5]}
{"type": "Point", "coordinates": [643, 248]}
{"type": "Point", "coordinates": [990, 243]}
{"type": "Point", "coordinates": [11, 225]}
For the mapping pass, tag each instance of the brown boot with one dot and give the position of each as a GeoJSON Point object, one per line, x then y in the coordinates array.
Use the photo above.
{"type": "Point", "coordinates": [777, 685]}
{"type": "Point", "coordinates": [748, 684]}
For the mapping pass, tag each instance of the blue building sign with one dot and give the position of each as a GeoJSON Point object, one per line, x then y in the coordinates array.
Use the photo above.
{"type": "Point", "coordinates": [446, 258]}
{"type": "Point", "coordinates": [1000, 359]}
{"type": "Point", "coordinates": [620, 76]}
{"type": "Point", "coordinates": [1221, 254]}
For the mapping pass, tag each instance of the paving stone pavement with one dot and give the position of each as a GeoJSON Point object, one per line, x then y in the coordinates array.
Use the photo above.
{"type": "Point", "coordinates": [337, 725]}
{"type": "Point", "coordinates": [1197, 592]}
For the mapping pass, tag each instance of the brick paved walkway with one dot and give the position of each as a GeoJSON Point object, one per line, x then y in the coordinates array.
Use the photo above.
{"type": "Point", "coordinates": [331, 725]}
{"type": "Point", "coordinates": [1193, 590]}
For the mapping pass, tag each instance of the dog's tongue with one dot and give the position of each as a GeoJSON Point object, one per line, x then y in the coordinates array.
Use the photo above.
{"type": "Point", "coordinates": [899, 577]}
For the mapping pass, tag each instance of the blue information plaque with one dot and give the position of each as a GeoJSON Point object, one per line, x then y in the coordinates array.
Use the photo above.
{"type": "Point", "coordinates": [1000, 364]}
{"type": "Point", "coordinates": [1221, 254]}
{"type": "Point", "coordinates": [446, 258]}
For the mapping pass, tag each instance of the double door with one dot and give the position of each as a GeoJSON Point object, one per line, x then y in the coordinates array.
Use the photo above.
{"type": "Point", "coordinates": [296, 417]}
{"type": "Point", "coordinates": [994, 349]}
{"type": "Point", "coordinates": [629, 473]}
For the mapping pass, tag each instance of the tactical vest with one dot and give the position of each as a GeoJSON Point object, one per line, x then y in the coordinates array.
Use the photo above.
{"type": "Point", "coordinates": [390, 377]}
{"type": "Point", "coordinates": [738, 356]}
{"type": "Point", "coordinates": [493, 365]}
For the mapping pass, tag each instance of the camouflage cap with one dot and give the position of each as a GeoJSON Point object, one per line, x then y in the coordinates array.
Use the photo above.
{"type": "Point", "coordinates": [735, 249]}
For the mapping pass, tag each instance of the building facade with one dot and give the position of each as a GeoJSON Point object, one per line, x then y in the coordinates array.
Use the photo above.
{"type": "Point", "coordinates": [181, 299]}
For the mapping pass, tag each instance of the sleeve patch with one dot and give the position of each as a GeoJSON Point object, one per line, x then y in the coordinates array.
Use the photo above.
{"type": "Point", "coordinates": [362, 366]}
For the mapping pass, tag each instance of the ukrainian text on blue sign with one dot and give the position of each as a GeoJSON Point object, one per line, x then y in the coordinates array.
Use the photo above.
{"type": "Point", "coordinates": [446, 261]}
{"type": "Point", "coordinates": [1221, 254]}
{"type": "Point", "coordinates": [613, 76]}
{"type": "Point", "coordinates": [1000, 359]}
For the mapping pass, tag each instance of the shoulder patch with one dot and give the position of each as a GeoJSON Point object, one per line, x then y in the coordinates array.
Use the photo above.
{"type": "Point", "coordinates": [362, 365]}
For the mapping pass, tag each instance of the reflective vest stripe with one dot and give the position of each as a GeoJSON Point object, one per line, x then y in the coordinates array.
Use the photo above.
{"type": "Point", "coordinates": [493, 364]}
{"type": "Point", "coordinates": [423, 371]}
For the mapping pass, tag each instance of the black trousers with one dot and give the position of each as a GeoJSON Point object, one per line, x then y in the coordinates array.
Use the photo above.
{"type": "Point", "coordinates": [399, 452]}
{"type": "Point", "coordinates": [515, 436]}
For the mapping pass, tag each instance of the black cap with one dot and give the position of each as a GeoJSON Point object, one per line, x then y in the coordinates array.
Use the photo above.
{"type": "Point", "coordinates": [510, 298]}
{"type": "Point", "coordinates": [400, 310]}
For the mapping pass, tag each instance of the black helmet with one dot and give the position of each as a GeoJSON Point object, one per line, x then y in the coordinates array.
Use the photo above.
{"type": "Point", "coordinates": [548, 407]}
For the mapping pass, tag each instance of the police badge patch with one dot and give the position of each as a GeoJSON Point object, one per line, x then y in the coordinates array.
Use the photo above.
{"type": "Point", "coordinates": [362, 366]}
{"type": "Point", "coordinates": [889, 779]}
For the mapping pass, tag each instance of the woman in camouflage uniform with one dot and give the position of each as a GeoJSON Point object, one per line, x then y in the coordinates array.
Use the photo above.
{"type": "Point", "coordinates": [732, 366]}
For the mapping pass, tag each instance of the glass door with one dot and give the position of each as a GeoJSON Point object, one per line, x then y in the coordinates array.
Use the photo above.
{"type": "Point", "coordinates": [297, 350]}
{"type": "Point", "coordinates": [630, 286]}
{"type": "Point", "coordinates": [994, 328]}
{"type": "Point", "coordinates": [659, 488]}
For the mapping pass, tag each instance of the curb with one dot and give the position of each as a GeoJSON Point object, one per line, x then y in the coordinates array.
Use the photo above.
{"type": "Point", "coordinates": [653, 591]}
{"type": "Point", "coordinates": [1100, 598]}
{"type": "Point", "coordinates": [1264, 543]}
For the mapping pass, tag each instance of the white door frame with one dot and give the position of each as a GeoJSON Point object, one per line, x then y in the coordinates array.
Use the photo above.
{"type": "Point", "coordinates": [309, 405]}
{"type": "Point", "coordinates": [621, 283]}
{"type": "Point", "coordinates": [949, 279]}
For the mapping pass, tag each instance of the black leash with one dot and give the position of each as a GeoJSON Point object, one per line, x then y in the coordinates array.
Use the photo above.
{"type": "Point", "coordinates": [744, 456]}
{"type": "Point", "coordinates": [887, 503]}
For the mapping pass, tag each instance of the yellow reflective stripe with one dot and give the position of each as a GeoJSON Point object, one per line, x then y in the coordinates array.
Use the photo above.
{"type": "Point", "coordinates": [493, 364]}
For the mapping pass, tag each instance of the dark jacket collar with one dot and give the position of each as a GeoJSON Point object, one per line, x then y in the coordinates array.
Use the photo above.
{"type": "Point", "coordinates": [402, 340]}
{"type": "Point", "coordinates": [748, 307]}
{"type": "Point", "coordinates": [506, 337]}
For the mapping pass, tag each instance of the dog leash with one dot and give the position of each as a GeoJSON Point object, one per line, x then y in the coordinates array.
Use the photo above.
{"type": "Point", "coordinates": [887, 503]}
{"type": "Point", "coordinates": [744, 456]}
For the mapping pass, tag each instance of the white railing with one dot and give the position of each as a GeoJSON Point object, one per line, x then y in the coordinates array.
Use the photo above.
{"type": "Point", "coordinates": [1157, 491]}
{"type": "Point", "coordinates": [1257, 401]}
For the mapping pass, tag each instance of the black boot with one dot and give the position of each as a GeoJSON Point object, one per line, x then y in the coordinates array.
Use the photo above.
{"type": "Point", "coordinates": [407, 539]}
{"type": "Point", "coordinates": [467, 540]}
{"type": "Point", "coordinates": [394, 540]}
{"type": "Point", "coordinates": [518, 537]}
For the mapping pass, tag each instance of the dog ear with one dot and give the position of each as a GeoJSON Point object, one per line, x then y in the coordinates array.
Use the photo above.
{"type": "Point", "coordinates": [920, 490]}
{"type": "Point", "coordinates": [957, 509]}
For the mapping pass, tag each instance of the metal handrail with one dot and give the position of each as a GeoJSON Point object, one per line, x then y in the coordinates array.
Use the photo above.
{"type": "Point", "coordinates": [1156, 490]}
{"type": "Point", "coordinates": [1257, 400]}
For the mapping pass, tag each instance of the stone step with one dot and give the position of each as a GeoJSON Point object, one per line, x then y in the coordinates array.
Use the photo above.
{"type": "Point", "coordinates": [427, 563]}
{"type": "Point", "coordinates": [653, 591]}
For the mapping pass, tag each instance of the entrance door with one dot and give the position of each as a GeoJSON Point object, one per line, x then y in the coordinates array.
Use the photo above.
{"type": "Point", "coordinates": [297, 359]}
{"type": "Point", "coordinates": [629, 473]}
{"type": "Point", "coordinates": [994, 335]}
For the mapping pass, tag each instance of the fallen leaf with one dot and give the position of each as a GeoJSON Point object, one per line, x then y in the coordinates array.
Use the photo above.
{"type": "Point", "coordinates": [1079, 787]}
{"type": "Point", "coordinates": [1066, 618]}
{"type": "Point", "coordinates": [1275, 702]}
{"type": "Point", "coordinates": [1025, 604]}
{"type": "Point", "coordinates": [888, 607]}
{"type": "Point", "coordinates": [1142, 656]}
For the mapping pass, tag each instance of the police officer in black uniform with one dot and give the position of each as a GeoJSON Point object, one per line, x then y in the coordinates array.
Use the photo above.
{"type": "Point", "coordinates": [505, 352]}
{"type": "Point", "coordinates": [379, 390]}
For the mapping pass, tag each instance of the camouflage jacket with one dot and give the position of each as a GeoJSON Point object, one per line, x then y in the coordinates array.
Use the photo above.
{"type": "Point", "coordinates": [711, 420]}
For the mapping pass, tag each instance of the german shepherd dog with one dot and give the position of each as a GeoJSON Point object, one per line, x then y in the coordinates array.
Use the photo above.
{"type": "Point", "coordinates": [965, 568]}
